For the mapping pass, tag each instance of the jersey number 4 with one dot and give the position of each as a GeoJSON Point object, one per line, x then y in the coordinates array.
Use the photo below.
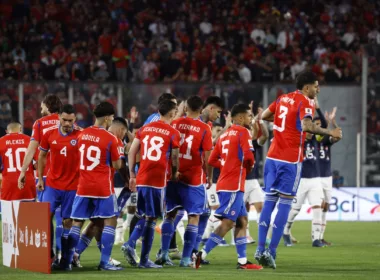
{"type": "Point", "coordinates": [17, 153]}
{"type": "Point", "coordinates": [152, 148]}
{"type": "Point", "coordinates": [282, 116]}
{"type": "Point", "coordinates": [92, 154]}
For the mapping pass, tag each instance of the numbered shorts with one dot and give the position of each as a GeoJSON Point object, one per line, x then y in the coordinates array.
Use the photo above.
{"type": "Point", "coordinates": [327, 188]}
{"type": "Point", "coordinates": [253, 192]}
{"type": "Point", "coordinates": [182, 196]}
{"type": "Point", "coordinates": [132, 201]}
{"type": "Point", "coordinates": [150, 202]}
{"type": "Point", "coordinates": [310, 189]}
{"type": "Point", "coordinates": [231, 207]}
{"type": "Point", "coordinates": [59, 198]}
{"type": "Point", "coordinates": [89, 208]}
{"type": "Point", "coordinates": [212, 196]}
{"type": "Point", "coordinates": [281, 177]}
{"type": "Point", "coordinates": [40, 193]}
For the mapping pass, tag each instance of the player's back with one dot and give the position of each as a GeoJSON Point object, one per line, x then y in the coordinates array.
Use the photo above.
{"type": "Point", "coordinates": [64, 157]}
{"type": "Point", "coordinates": [324, 156]}
{"type": "Point", "coordinates": [156, 141]}
{"type": "Point", "coordinates": [234, 148]}
{"type": "Point", "coordinates": [196, 138]}
{"type": "Point", "coordinates": [95, 170]}
{"type": "Point", "coordinates": [13, 149]}
{"type": "Point", "coordinates": [289, 111]}
{"type": "Point", "coordinates": [310, 165]}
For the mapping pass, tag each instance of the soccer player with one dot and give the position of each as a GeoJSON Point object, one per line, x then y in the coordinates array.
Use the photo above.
{"type": "Point", "coordinates": [13, 148]}
{"type": "Point", "coordinates": [253, 194]}
{"type": "Point", "coordinates": [155, 141]}
{"type": "Point", "coordinates": [292, 117]}
{"type": "Point", "coordinates": [189, 193]}
{"type": "Point", "coordinates": [324, 161]}
{"type": "Point", "coordinates": [50, 107]}
{"type": "Point", "coordinates": [63, 175]}
{"type": "Point", "coordinates": [95, 199]}
{"type": "Point", "coordinates": [118, 128]}
{"type": "Point", "coordinates": [233, 155]}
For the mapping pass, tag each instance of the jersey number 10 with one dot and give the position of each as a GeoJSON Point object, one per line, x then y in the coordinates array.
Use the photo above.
{"type": "Point", "coordinates": [11, 162]}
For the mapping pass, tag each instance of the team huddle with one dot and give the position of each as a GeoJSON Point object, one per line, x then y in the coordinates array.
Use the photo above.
{"type": "Point", "coordinates": [180, 161]}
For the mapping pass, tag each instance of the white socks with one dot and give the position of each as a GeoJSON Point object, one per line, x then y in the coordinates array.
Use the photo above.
{"type": "Point", "coordinates": [292, 215]}
{"type": "Point", "coordinates": [323, 224]}
{"type": "Point", "coordinates": [127, 222]}
{"type": "Point", "coordinates": [181, 230]}
{"type": "Point", "coordinates": [316, 223]}
{"type": "Point", "coordinates": [119, 233]}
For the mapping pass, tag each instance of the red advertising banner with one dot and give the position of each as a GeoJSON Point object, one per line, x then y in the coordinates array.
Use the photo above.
{"type": "Point", "coordinates": [26, 235]}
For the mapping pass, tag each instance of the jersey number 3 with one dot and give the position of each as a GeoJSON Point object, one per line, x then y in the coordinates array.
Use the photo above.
{"type": "Point", "coordinates": [282, 116]}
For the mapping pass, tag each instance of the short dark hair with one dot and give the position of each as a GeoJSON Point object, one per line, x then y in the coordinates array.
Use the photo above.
{"type": "Point", "coordinates": [194, 103]}
{"type": "Point", "coordinates": [104, 109]}
{"type": "Point", "coordinates": [239, 109]}
{"type": "Point", "coordinates": [165, 106]}
{"type": "Point", "coordinates": [53, 103]}
{"type": "Point", "coordinates": [68, 109]}
{"type": "Point", "coordinates": [214, 100]}
{"type": "Point", "coordinates": [121, 121]}
{"type": "Point", "coordinates": [166, 96]}
{"type": "Point", "coordinates": [305, 78]}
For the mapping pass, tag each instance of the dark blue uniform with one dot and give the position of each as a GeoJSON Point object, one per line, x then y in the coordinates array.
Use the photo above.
{"type": "Point", "coordinates": [254, 174]}
{"type": "Point", "coordinates": [324, 157]}
{"type": "Point", "coordinates": [310, 164]}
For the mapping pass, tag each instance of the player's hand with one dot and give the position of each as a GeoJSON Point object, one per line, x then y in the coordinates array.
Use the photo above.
{"type": "Point", "coordinates": [332, 115]}
{"type": "Point", "coordinates": [134, 114]}
{"type": "Point", "coordinates": [259, 113]}
{"type": "Point", "coordinates": [21, 180]}
{"type": "Point", "coordinates": [336, 133]}
{"type": "Point", "coordinates": [316, 102]}
{"type": "Point", "coordinates": [251, 105]}
{"type": "Point", "coordinates": [228, 119]}
{"type": "Point", "coordinates": [40, 184]}
{"type": "Point", "coordinates": [132, 184]}
{"type": "Point", "coordinates": [181, 109]}
{"type": "Point", "coordinates": [209, 183]}
{"type": "Point", "coordinates": [175, 176]}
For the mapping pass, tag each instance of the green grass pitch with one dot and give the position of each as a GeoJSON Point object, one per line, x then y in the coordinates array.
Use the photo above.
{"type": "Point", "coordinates": [355, 254]}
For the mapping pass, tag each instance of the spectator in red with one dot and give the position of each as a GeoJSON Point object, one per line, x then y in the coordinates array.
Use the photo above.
{"type": "Point", "coordinates": [120, 57]}
{"type": "Point", "coordinates": [105, 41]}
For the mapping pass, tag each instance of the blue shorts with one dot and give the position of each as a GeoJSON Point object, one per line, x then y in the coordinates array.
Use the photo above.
{"type": "Point", "coordinates": [40, 193]}
{"type": "Point", "coordinates": [281, 177]}
{"type": "Point", "coordinates": [88, 207]}
{"type": "Point", "coordinates": [231, 206]}
{"type": "Point", "coordinates": [123, 198]}
{"type": "Point", "coordinates": [192, 199]}
{"type": "Point", "coordinates": [58, 198]}
{"type": "Point", "coordinates": [150, 202]}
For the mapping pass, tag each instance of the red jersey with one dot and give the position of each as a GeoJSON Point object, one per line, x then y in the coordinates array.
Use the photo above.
{"type": "Point", "coordinates": [120, 148]}
{"type": "Point", "coordinates": [232, 154]}
{"type": "Point", "coordinates": [157, 139]}
{"type": "Point", "coordinates": [63, 173]}
{"type": "Point", "coordinates": [98, 149]}
{"type": "Point", "coordinates": [13, 148]}
{"type": "Point", "coordinates": [196, 138]}
{"type": "Point", "coordinates": [289, 111]}
{"type": "Point", "coordinates": [39, 128]}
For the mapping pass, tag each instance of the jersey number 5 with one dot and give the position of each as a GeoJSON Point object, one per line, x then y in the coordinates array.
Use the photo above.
{"type": "Point", "coordinates": [152, 148]}
{"type": "Point", "coordinates": [224, 151]}
{"type": "Point", "coordinates": [282, 116]}
{"type": "Point", "coordinates": [92, 153]}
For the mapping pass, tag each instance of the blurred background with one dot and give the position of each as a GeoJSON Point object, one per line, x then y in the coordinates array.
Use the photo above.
{"type": "Point", "coordinates": [129, 52]}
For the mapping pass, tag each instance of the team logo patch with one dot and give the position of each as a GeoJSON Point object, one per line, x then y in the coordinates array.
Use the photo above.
{"type": "Point", "coordinates": [308, 111]}
{"type": "Point", "coordinates": [233, 213]}
{"type": "Point", "coordinates": [73, 142]}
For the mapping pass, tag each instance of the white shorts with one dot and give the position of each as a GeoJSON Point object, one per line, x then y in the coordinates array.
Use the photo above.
{"type": "Point", "coordinates": [212, 196]}
{"type": "Point", "coordinates": [132, 200]}
{"type": "Point", "coordinates": [310, 189]}
{"type": "Point", "coordinates": [253, 192]}
{"type": "Point", "coordinates": [327, 188]}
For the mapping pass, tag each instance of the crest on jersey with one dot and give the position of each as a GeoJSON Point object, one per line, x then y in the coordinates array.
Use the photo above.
{"type": "Point", "coordinates": [308, 111]}
{"type": "Point", "coordinates": [73, 142]}
{"type": "Point", "coordinates": [233, 213]}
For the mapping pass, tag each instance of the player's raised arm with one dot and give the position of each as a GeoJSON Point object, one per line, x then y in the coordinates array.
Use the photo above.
{"type": "Point", "coordinates": [309, 126]}
{"type": "Point", "coordinates": [214, 159]}
{"type": "Point", "coordinates": [263, 128]}
{"type": "Point", "coordinates": [268, 114]}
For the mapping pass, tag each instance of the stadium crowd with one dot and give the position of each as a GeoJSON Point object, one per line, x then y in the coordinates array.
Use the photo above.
{"type": "Point", "coordinates": [170, 40]}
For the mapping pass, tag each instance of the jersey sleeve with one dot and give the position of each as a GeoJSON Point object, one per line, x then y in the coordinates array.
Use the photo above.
{"type": "Point", "coordinates": [175, 139]}
{"type": "Point", "coordinates": [214, 159]}
{"type": "Point", "coordinates": [306, 109]}
{"type": "Point", "coordinates": [36, 131]}
{"type": "Point", "coordinates": [44, 143]}
{"type": "Point", "coordinates": [115, 155]}
{"type": "Point", "coordinates": [247, 148]}
{"type": "Point", "coordinates": [207, 140]}
{"type": "Point", "coordinates": [121, 149]}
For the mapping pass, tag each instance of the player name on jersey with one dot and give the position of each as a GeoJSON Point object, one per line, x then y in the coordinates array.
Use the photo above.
{"type": "Point", "coordinates": [189, 127]}
{"type": "Point", "coordinates": [157, 130]}
{"type": "Point", "coordinates": [14, 142]}
{"type": "Point", "coordinates": [90, 138]}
